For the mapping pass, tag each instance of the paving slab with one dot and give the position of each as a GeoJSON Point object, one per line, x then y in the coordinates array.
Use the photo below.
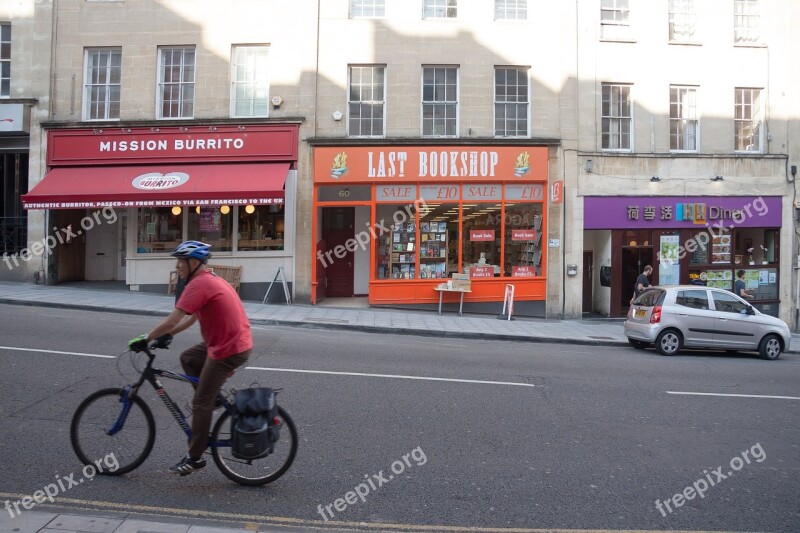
{"type": "Point", "coordinates": [84, 524]}
{"type": "Point", "coordinates": [145, 526]}
{"type": "Point", "coordinates": [25, 522]}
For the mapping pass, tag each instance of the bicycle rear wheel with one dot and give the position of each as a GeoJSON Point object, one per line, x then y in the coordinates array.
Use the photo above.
{"type": "Point", "coordinates": [128, 447]}
{"type": "Point", "coordinates": [256, 471]}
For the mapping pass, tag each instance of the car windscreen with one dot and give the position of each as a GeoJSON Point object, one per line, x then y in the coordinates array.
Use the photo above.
{"type": "Point", "coordinates": [651, 297]}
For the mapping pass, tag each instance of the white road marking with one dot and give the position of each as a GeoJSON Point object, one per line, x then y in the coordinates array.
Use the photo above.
{"type": "Point", "coordinates": [393, 376]}
{"type": "Point", "coordinates": [734, 395]}
{"type": "Point", "coordinates": [56, 351]}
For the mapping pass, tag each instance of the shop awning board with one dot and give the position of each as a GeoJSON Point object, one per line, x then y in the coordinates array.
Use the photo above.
{"type": "Point", "coordinates": [159, 186]}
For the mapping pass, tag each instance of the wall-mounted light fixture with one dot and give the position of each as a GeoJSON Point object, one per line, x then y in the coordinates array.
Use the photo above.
{"type": "Point", "coordinates": [155, 130]}
{"type": "Point", "coordinates": [337, 116]}
{"type": "Point", "coordinates": [212, 128]}
{"type": "Point", "coordinates": [717, 178]}
{"type": "Point", "coordinates": [655, 179]}
{"type": "Point", "coordinates": [589, 166]}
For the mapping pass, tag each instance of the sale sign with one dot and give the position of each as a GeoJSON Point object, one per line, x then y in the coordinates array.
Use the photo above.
{"type": "Point", "coordinates": [481, 235]}
{"type": "Point", "coordinates": [523, 271]}
{"type": "Point", "coordinates": [481, 272]}
{"type": "Point", "coordinates": [523, 235]}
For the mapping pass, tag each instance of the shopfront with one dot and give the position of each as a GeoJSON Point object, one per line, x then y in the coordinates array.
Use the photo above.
{"type": "Point", "coordinates": [392, 222]}
{"type": "Point", "coordinates": [128, 196]}
{"type": "Point", "coordinates": [687, 240]}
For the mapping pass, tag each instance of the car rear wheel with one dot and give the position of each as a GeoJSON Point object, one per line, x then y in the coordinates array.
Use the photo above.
{"type": "Point", "coordinates": [639, 345]}
{"type": "Point", "coordinates": [770, 348]}
{"type": "Point", "coordinates": [669, 342]}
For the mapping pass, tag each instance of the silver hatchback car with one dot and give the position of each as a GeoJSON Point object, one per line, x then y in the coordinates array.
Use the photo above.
{"type": "Point", "coordinates": [692, 316]}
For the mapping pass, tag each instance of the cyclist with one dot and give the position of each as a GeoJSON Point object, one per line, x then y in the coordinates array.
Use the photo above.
{"type": "Point", "coordinates": [227, 342]}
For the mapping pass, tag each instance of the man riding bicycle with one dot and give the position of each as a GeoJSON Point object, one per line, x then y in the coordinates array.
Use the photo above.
{"type": "Point", "coordinates": [227, 342]}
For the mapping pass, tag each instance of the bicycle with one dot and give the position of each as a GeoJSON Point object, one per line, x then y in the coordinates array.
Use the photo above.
{"type": "Point", "coordinates": [117, 420]}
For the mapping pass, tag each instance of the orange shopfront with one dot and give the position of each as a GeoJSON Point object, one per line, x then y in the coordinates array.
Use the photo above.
{"type": "Point", "coordinates": [393, 222]}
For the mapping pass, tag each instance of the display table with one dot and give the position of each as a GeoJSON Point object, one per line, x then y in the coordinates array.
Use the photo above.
{"type": "Point", "coordinates": [442, 290]}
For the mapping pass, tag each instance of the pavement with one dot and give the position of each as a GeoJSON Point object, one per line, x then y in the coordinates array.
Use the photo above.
{"type": "Point", "coordinates": [602, 332]}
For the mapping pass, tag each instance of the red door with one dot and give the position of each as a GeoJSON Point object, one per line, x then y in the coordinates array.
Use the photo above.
{"type": "Point", "coordinates": [337, 229]}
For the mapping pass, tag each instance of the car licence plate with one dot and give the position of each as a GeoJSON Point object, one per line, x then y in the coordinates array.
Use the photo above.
{"type": "Point", "coordinates": [640, 313]}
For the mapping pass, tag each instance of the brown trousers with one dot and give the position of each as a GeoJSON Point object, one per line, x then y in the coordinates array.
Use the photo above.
{"type": "Point", "coordinates": [212, 373]}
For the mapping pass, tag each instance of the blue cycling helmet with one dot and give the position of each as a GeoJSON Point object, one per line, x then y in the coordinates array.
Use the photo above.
{"type": "Point", "coordinates": [192, 250]}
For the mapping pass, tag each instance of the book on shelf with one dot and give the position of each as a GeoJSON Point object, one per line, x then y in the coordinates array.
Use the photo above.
{"type": "Point", "coordinates": [424, 227]}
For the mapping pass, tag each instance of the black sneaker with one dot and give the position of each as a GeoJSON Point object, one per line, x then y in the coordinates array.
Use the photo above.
{"type": "Point", "coordinates": [187, 465]}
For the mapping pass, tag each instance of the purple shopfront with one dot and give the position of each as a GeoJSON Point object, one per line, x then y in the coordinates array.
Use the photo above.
{"type": "Point", "coordinates": [704, 239]}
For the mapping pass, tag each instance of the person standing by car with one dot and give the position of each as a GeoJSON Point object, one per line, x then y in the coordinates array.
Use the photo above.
{"type": "Point", "coordinates": [642, 282]}
{"type": "Point", "coordinates": [739, 286]}
{"type": "Point", "coordinates": [227, 341]}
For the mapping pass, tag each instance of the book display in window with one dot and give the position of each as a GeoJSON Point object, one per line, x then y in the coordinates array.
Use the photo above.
{"type": "Point", "coordinates": [433, 250]}
{"type": "Point", "coordinates": [402, 255]}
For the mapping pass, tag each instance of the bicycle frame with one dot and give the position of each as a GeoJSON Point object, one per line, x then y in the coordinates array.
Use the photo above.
{"type": "Point", "coordinates": [151, 375]}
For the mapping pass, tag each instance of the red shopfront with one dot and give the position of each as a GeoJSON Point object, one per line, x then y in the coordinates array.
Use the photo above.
{"type": "Point", "coordinates": [393, 222]}
{"type": "Point", "coordinates": [223, 184]}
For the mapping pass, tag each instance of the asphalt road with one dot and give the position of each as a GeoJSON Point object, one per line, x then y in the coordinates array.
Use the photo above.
{"type": "Point", "coordinates": [519, 435]}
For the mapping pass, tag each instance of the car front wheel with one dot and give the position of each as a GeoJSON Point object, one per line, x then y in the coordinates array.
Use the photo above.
{"type": "Point", "coordinates": [770, 348]}
{"type": "Point", "coordinates": [668, 342]}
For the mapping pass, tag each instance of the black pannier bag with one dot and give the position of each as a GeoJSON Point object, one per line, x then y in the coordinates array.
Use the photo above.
{"type": "Point", "coordinates": [253, 434]}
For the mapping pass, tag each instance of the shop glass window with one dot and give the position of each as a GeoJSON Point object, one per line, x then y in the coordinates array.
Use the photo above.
{"type": "Point", "coordinates": [480, 238]}
{"type": "Point", "coordinates": [366, 103]}
{"type": "Point", "coordinates": [212, 225]}
{"type": "Point", "coordinates": [746, 22]}
{"type": "Point", "coordinates": [367, 8]}
{"type": "Point", "coordinates": [261, 227]}
{"type": "Point", "coordinates": [13, 218]}
{"type": "Point", "coordinates": [101, 91]}
{"type": "Point", "coordinates": [396, 243]}
{"type": "Point", "coordinates": [158, 229]}
{"type": "Point", "coordinates": [439, 101]}
{"type": "Point", "coordinates": [438, 236]}
{"type": "Point", "coordinates": [511, 100]}
{"type": "Point", "coordinates": [695, 299]}
{"type": "Point", "coordinates": [439, 9]}
{"type": "Point", "coordinates": [728, 303]}
{"type": "Point", "coordinates": [250, 81]}
{"type": "Point", "coordinates": [682, 20]}
{"type": "Point", "coordinates": [616, 116]}
{"type": "Point", "coordinates": [176, 73]}
{"type": "Point", "coordinates": [523, 239]}
{"type": "Point", "coordinates": [683, 121]}
{"type": "Point", "coordinates": [747, 120]}
{"type": "Point", "coordinates": [5, 59]}
{"type": "Point", "coordinates": [510, 9]}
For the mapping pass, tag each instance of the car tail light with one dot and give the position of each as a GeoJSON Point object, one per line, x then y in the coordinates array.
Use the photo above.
{"type": "Point", "coordinates": [655, 316]}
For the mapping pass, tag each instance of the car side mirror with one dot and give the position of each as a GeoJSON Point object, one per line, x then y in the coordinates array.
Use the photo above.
{"type": "Point", "coordinates": [751, 310]}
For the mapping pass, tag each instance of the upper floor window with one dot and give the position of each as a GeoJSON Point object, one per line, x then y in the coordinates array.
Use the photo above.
{"type": "Point", "coordinates": [367, 8]}
{"type": "Point", "coordinates": [511, 99]}
{"type": "Point", "coordinates": [439, 101]}
{"type": "Point", "coordinates": [101, 91]}
{"type": "Point", "coordinates": [439, 9]}
{"type": "Point", "coordinates": [682, 20]}
{"type": "Point", "coordinates": [176, 82]}
{"type": "Point", "coordinates": [366, 101]}
{"type": "Point", "coordinates": [614, 19]}
{"type": "Point", "coordinates": [747, 120]}
{"type": "Point", "coordinates": [510, 9]}
{"type": "Point", "coordinates": [746, 22]}
{"type": "Point", "coordinates": [5, 59]}
{"type": "Point", "coordinates": [683, 118]}
{"type": "Point", "coordinates": [250, 82]}
{"type": "Point", "coordinates": [616, 116]}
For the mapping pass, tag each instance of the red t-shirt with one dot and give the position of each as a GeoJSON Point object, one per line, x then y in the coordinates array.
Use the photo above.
{"type": "Point", "coordinates": [223, 322]}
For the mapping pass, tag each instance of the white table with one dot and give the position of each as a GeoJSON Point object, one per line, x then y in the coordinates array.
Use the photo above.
{"type": "Point", "coordinates": [442, 290]}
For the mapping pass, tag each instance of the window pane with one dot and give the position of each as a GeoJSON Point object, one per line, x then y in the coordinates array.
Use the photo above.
{"type": "Point", "coordinates": [481, 236]}
{"type": "Point", "coordinates": [366, 101]}
{"type": "Point", "coordinates": [263, 229]}
{"type": "Point", "coordinates": [158, 230]}
{"type": "Point", "coordinates": [250, 81]}
{"type": "Point", "coordinates": [523, 238]}
{"type": "Point", "coordinates": [211, 226]}
{"type": "Point", "coordinates": [176, 85]}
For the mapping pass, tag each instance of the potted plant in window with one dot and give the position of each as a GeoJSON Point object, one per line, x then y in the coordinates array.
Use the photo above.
{"type": "Point", "coordinates": [764, 252]}
{"type": "Point", "coordinates": [750, 256]}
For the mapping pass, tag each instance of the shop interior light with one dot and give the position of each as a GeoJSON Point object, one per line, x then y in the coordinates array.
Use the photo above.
{"type": "Point", "coordinates": [250, 209]}
{"type": "Point", "coordinates": [176, 210]}
{"type": "Point", "coordinates": [197, 209]}
{"type": "Point", "coordinates": [225, 209]}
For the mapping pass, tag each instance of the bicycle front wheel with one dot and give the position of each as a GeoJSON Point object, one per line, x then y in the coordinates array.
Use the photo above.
{"type": "Point", "coordinates": [103, 435]}
{"type": "Point", "coordinates": [256, 471]}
